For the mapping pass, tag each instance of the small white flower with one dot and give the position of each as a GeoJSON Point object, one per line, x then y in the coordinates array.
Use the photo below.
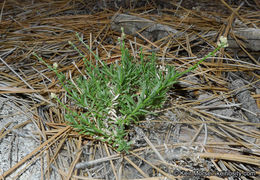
{"type": "Point", "coordinates": [122, 34]}
{"type": "Point", "coordinates": [223, 41]}
{"type": "Point", "coordinates": [55, 65]}
{"type": "Point", "coordinates": [53, 95]}
{"type": "Point", "coordinates": [122, 29]}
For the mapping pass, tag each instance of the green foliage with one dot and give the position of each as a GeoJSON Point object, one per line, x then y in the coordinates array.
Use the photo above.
{"type": "Point", "coordinates": [114, 97]}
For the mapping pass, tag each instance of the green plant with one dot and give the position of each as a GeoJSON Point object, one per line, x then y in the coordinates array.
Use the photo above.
{"type": "Point", "coordinates": [114, 97]}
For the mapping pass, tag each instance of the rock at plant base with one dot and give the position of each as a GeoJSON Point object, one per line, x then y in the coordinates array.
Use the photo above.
{"type": "Point", "coordinates": [154, 31]}
{"type": "Point", "coordinates": [149, 29]}
{"type": "Point", "coordinates": [250, 37]}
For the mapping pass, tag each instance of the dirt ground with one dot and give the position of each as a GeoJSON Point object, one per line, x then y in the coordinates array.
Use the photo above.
{"type": "Point", "coordinates": [209, 126]}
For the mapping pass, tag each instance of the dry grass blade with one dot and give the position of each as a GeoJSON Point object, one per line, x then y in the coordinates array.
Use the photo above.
{"type": "Point", "coordinates": [156, 168]}
{"type": "Point", "coordinates": [36, 151]}
{"type": "Point", "coordinates": [75, 160]}
{"type": "Point", "coordinates": [230, 157]}
{"type": "Point", "coordinates": [140, 132]}
{"type": "Point", "coordinates": [136, 167]}
{"type": "Point", "coordinates": [97, 161]}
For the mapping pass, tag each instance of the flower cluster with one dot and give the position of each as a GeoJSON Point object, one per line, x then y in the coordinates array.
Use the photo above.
{"type": "Point", "coordinates": [223, 41]}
